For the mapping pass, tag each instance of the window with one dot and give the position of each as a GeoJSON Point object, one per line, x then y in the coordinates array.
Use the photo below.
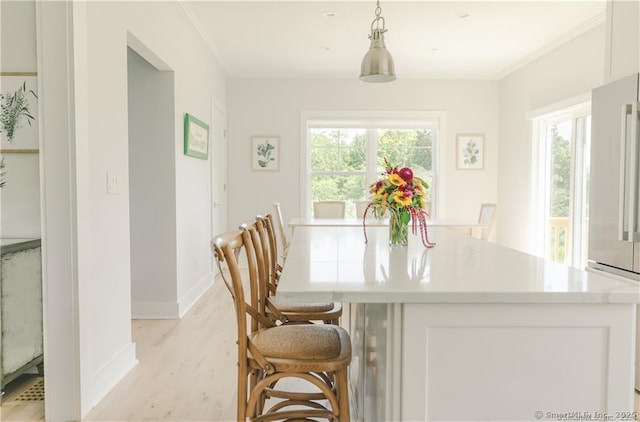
{"type": "Point", "coordinates": [563, 154]}
{"type": "Point", "coordinates": [338, 166]}
{"type": "Point", "coordinates": [346, 156]}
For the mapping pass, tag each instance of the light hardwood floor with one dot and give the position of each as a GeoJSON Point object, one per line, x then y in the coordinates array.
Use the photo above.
{"type": "Point", "coordinates": [187, 370]}
{"type": "Point", "coordinates": [14, 409]}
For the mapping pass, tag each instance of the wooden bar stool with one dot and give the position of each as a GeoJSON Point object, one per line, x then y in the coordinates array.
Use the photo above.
{"type": "Point", "coordinates": [284, 242]}
{"type": "Point", "coordinates": [263, 237]}
{"type": "Point", "coordinates": [316, 354]}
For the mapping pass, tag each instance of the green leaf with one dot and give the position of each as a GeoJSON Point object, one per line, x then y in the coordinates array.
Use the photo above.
{"type": "Point", "coordinates": [405, 217]}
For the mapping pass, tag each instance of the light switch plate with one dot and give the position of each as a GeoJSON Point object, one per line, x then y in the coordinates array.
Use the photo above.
{"type": "Point", "coordinates": [113, 184]}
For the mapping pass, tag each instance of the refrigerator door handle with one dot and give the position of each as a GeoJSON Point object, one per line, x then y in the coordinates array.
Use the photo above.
{"type": "Point", "coordinates": [626, 196]}
{"type": "Point", "coordinates": [634, 235]}
{"type": "Point", "coordinates": [628, 214]}
{"type": "Point", "coordinates": [623, 234]}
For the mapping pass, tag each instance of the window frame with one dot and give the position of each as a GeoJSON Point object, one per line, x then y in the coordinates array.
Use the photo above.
{"type": "Point", "coordinates": [372, 121]}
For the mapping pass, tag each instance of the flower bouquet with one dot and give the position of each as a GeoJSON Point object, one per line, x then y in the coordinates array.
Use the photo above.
{"type": "Point", "coordinates": [401, 194]}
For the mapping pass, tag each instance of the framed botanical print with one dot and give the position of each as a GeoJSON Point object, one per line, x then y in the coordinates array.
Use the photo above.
{"type": "Point", "coordinates": [19, 118]}
{"type": "Point", "coordinates": [470, 151]}
{"type": "Point", "coordinates": [265, 153]}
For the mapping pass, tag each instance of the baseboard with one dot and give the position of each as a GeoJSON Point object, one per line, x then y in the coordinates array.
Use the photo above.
{"type": "Point", "coordinates": [195, 293]}
{"type": "Point", "coordinates": [112, 373]}
{"type": "Point", "coordinates": [172, 310]}
{"type": "Point", "coordinates": [155, 310]}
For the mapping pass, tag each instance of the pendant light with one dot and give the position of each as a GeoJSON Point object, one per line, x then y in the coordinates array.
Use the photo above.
{"type": "Point", "coordinates": [377, 65]}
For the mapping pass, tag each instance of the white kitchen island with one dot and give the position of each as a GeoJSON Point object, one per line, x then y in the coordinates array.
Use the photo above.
{"type": "Point", "coordinates": [469, 330]}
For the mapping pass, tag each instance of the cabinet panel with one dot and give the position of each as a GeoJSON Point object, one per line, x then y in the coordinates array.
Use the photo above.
{"type": "Point", "coordinates": [507, 362]}
{"type": "Point", "coordinates": [623, 39]}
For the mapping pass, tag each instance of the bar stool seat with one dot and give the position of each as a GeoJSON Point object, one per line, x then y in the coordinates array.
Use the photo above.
{"type": "Point", "coordinates": [287, 307]}
{"type": "Point", "coordinates": [317, 344]}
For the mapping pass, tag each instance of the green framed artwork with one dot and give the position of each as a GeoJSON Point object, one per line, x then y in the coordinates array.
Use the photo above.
{"type": "Point", "coordinates": [196, 137]}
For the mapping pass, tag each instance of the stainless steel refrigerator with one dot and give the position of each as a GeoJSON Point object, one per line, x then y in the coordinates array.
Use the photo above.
{"type": "Point", "coordinates": [614, 217]}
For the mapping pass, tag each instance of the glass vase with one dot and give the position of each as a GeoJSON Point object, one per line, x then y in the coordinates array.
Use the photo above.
{"type": "Point", "coordinates": [398, 231]}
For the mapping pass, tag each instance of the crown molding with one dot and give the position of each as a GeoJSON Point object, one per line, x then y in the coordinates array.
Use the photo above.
{"type": "Point", "coordinates": [563, 39]}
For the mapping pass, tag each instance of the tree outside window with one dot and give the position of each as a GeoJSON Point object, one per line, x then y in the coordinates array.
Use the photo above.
{"type": "Point", "coordinates": [344, 161]}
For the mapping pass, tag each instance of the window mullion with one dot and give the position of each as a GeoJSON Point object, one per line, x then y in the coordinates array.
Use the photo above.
{"type": "Point", "coordinates": [577, 216]}
{"type": "Point", "coordinates": [372, 154]}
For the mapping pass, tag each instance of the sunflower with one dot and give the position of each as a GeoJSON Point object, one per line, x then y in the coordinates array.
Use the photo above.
{"type": "Point", "coordinates": [396, 180]}
{"type": "Point", "coordinates": [402, 200]}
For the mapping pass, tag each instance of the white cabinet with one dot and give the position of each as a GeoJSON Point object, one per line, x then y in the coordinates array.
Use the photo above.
{"type": "Point", "coordinates": [21, 345]}
{"type": "Point", "coordinates": [623, 39]}
{"type": "Point", "coordinates": [516, 362]}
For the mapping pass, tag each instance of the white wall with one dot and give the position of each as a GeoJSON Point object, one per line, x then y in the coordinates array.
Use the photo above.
{"type": "Point", "coordinates": [20, 198]}
{"type": "Point", "coordinates": [18, 36]}
{"type": "Point", "coordinates": [99, 225]}
{"type": "Point", "coordinates": [570, 70]}
{"type": "Point", "coordinates": [272, 107]}
{"type": "Point", "coordinates": [198, 78]}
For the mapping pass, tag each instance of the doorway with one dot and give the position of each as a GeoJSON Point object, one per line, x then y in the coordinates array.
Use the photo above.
{"type": "Point", "coordinates": [152, 191]}
{"type": "Point", "coordinates": [564, 146]}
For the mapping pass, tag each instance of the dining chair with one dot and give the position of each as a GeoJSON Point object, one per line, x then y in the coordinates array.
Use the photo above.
{"type": "Point", "coordinates": [318, 355]}
{"type": "Point", "coordinates": [284, 242]}
{"type": "Point", "coordinates": [487, 220]}
{"type": "Point", "coordinates": [285, 311]}
{"type": "Point", "coordinates": [328, 209]}
{"type": "Point", "coordinates": [361, 206]}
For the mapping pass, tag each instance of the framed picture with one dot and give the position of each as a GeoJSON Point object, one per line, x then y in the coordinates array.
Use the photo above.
{"type": "Point", "coordinates": [19, 126]}
{"type": "Point", "coordinates": [265, 153]}
{"type": "Point", "coordinates": [196, 137]}
{"type": "Point", "coordinates": [470, 151]}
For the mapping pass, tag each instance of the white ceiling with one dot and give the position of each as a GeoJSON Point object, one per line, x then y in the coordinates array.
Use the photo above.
{"type": "Point", "coordinates": [428, 39]}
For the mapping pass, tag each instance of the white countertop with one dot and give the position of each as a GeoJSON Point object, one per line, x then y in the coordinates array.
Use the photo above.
{"type": "Point", "coordinates": [334, 263]}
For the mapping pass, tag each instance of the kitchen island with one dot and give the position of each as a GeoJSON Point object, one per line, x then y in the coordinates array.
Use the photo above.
{"type": "Point", "coordinates": [468, 330]}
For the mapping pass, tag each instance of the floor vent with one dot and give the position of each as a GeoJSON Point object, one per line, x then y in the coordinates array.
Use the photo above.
{"type": "Point", "coordinates": [33, 393]}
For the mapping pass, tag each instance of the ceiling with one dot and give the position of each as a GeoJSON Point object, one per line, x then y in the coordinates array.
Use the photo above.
{"type": "Point", "coordinates": [428, 39]}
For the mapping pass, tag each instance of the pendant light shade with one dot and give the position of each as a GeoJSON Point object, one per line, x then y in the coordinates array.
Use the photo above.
{"type": "Point", "coordinates": [377, 64]}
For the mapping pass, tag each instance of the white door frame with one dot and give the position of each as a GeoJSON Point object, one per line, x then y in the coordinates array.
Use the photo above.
{"type": "Point", "coordinates": [60, 173]}
{"type": "Point", "coordinates": [218, 160]}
